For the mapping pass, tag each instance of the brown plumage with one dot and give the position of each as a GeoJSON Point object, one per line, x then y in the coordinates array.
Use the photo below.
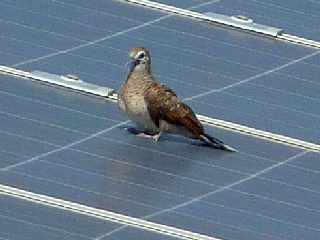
{"type": "Point", "coordinates": [155, 108]}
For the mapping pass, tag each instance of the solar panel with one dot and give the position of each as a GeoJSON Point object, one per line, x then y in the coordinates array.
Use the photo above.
{"type": "Point", "coordinates": [73, 147]}
{"type": "Point", "coordinates": [24, 220]}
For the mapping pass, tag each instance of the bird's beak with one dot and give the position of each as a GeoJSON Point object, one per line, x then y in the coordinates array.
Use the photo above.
{"type": "Point", "coordinates": [130, 65]}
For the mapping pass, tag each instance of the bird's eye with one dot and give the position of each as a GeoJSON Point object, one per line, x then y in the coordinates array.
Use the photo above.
{"type": "Point", "coordinates": [141, 55]}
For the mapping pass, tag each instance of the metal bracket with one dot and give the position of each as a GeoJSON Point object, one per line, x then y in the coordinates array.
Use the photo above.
{"type": "Point", "coordinates": [72, 82]}
{"type": "Point", "coordinates": [245, 23]}
{"type": "Point", "coordinates": [68, 81]}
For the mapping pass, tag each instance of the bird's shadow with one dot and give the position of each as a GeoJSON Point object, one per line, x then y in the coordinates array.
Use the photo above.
{"type": "Point", "coordinates": [168, 137]}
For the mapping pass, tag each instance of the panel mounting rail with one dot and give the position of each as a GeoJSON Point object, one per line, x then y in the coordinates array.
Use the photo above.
{"type": "Point", "coordinates": [238, 22]}
{"type": "Point", "coordinates": [110, 94]}
{"type": "Point", "coordinates": [102, 214]}
{"type": "Point", "coordinates": [68, 81]}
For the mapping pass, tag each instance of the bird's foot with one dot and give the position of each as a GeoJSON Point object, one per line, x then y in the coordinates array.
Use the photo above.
{"type": "Point", "coordinates": [156, 137]}
{"type": "Point", "coordinates": [144, 135]}
{"type": "Point", "coordinates": [139, 133]}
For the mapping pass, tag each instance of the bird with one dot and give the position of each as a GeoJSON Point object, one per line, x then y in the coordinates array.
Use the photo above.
{"type": "Point", "coordinates": [155, 108]}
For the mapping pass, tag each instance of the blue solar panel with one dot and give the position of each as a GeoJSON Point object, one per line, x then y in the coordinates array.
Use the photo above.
{"type": "Point", "coordinates": [25, 220]}
{"type": "Point", "coordinates": [74, 147]}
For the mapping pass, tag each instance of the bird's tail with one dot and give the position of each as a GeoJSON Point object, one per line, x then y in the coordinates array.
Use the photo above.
{"type": "Point", "coordinates": [216, 143]}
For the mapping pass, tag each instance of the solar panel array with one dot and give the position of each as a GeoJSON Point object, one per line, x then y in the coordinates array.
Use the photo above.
{"type": "Point", "coordinates": [74, 147]}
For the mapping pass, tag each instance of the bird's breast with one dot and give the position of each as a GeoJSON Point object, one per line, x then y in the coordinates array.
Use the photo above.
{"type": "Point", "coordinates": [133, 103]}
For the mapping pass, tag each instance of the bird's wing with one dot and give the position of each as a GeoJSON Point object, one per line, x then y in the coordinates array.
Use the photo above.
{"type": "Point", "coordinates": [163, 104]}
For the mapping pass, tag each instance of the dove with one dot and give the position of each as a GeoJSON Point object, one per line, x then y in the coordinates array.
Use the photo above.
{"type": "Point", "coordinates": [155, 108]}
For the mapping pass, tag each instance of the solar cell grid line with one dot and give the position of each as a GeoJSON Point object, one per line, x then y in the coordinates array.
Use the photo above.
{"type": "Point", "coordinates": [89, 43]}
{"type": "Point", "coordinates": [178, 64]}
{"type": "Point", "coordinates": [255, 76]}
{"type": "Point", "coordinates": [158, 75]}
{"type": "Point", "coordinates": [220, 189]}
{"type": "Point", "coordinates": [66, 146]}
{"type": "Point", "coordinates": [263, 4]}
{"type": "Point", "coordinates": [64, 25]}
{"type": "Point", "coordinates": [163, 60]}
{"type": "Point", "coordinates": [174, 175]}
{"type": "Point", "coordinates": [80, 56]}
{"type": "Point", "coordinates": [54, 17]}
{"type": "Point", "coordinates": [249, 49]}
{"type": "Point", "coordinates": [123, 162]}
{"type": "Point", "coordinates": [100, 175]}
{"type": "Point", "coordinates": [205, 202]}
{"type": "Point", "coordinates": [159, 58]}
{"type": "Point", "coordinates": [44, 227]}
{"type": "Point", "coordinates": [56, 106]}
{"type": "Point", "coordinates": [58, 2]}
{"type": "Point", "coordinates": [60, 35]}
{"type": "Point", "coordinates": [138, 38]}
{"type": "Point", "coordinates": [257, 196]}
{"type": "Point", "coordinates": [259, 177]}
{"type": "Point", "coordinates": [102, 214]}
{"type": "Point", "coordinates": [95, 174]}
{"type": "Point", "coordinates": [266, 105]}
{"type": "Point", "coordinates": [260, 215]}
{"type": "Point", "coordinates": [107, 37]}
{"type": "Point", "coordinates": [290, 185]}
{"type": "Point", "coordinates": [70, 186]}
{"type": "Point", "coordinates": [283, 91]}
{"type": "Point", "coordinates": [286, 8]}
{"type": "Point", "coordinates": [277, 105]}
{"type": "Point", "coordinates": [268, 179]}
{"type": "Point", "coordinates": [104, 138]}
{"type": "Point", "coordinates": [223, 188]}
{"type": "Point", "coordinates": [272, 13]}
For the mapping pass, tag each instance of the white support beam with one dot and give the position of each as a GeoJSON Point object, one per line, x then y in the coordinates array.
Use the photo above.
{"type": "Point", "coordinates": [102, 214]}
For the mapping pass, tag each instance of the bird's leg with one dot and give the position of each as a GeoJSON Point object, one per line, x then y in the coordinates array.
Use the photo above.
{"type": "Point", "coordinates": [133, 130]}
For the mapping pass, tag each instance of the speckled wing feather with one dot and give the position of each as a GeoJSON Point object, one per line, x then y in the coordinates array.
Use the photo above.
{"type": "Point", "coordinates": [163, 104]}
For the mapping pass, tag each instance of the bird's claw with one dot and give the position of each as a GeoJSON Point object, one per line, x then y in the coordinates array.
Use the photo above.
{"type": "Point", "coordinates": [144, 135]}
{"type": "Point", "coordinates": [156, 137]}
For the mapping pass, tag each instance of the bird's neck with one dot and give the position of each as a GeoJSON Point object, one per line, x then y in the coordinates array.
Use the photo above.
{"type": "Point", "coordinates": [140, 69]}
{"type": "Point", "coordinates": [143, 68]}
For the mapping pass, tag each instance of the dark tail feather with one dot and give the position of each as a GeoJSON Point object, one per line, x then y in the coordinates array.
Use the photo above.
{"type": "Point", "coordinates": [216, 143]}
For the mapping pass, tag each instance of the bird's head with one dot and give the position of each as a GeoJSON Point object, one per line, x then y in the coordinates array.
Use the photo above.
{"type": "Point", "coordinates": [140, 58]}
{"type": "Point", "coordinates": [140, 54]}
